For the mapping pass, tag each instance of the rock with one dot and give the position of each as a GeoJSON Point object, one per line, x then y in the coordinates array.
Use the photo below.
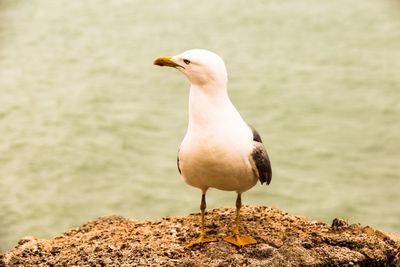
{"type": "Point", "coordinates": [283, 240]}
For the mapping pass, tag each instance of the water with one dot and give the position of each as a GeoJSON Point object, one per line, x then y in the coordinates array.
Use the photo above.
{"type": "Point", "coordinates": [89, 127]}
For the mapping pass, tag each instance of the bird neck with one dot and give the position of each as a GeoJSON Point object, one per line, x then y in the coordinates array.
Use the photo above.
{"type": "Point", "coordinates": [209, 106]}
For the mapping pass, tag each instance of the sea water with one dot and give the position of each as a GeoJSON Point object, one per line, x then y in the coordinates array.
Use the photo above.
{"type": "Point", "coordinates": [90, 127]}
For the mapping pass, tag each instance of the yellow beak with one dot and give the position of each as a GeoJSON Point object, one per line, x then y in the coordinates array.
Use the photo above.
{"type": "Point", "coordinates": [165, 61]}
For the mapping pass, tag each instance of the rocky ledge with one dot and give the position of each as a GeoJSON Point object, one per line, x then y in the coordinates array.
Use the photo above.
{"type": "Point", "coordinates": [283, 240]}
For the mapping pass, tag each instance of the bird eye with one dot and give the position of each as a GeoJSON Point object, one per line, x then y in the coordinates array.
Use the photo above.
{"type": "Point", "coordinates": [187, 61]}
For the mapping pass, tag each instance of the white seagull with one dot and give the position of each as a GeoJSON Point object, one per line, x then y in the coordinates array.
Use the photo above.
{"type": "Point", "coordinates": [220, 150]}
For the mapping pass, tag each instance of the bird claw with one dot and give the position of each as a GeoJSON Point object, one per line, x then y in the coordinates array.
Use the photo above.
{"type": "Point", "coordinates": [240, 240]}
{"type": "Point", "coordinates": [200, 240]}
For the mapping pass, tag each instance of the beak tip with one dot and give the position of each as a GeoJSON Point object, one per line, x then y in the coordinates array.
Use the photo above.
{"type": "Point", "coordinates": [158, 62]}
{"type": "Point", "coordinates": [164, 61]}
{"type": "Point", "coordinates": [155, 62]}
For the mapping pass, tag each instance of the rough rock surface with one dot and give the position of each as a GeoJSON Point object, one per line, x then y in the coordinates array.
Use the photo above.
{"type": "Point", "coordinates": [283, 240]}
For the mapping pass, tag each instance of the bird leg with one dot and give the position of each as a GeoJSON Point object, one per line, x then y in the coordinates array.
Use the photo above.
{"type": "Point", "coordinates": [202, 238]}
{"type": "Point", "coordinates": [237, 239]}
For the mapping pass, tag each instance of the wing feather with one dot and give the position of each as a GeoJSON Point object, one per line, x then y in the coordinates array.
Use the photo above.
{"type": "Point", "coordinates": [177, 163]}
{"type": "Point", "coordinates": [260, 158]}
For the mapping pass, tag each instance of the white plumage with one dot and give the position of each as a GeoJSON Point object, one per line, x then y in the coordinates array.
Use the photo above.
{"type": "Point", "coordinates": [220, 150]}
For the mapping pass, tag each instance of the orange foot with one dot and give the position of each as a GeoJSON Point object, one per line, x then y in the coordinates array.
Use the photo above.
{"type": "Point", "coordinates": [240, 240]}
{"type": "Point", "coordinates": [200, 240]}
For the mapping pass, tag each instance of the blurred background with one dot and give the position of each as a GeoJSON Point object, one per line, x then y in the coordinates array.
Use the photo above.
{"type": "Point", "coordinates": [90, 127]}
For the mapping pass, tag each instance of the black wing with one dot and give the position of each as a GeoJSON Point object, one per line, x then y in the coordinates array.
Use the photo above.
{"type": "Point", "coordinates": [177, 163]}
{"type": "Point", "coordinates": [260, 158]}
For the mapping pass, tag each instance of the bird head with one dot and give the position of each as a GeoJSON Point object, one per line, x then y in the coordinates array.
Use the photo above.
{"type": "Point", "coordinates": [203, 68]}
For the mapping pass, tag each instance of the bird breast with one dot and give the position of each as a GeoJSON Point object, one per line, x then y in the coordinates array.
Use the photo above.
{"type": "Point", "coordinates": [218, 157]}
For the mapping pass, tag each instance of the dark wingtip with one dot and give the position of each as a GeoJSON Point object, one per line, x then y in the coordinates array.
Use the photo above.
{"type": "Point", "coordinates": [269, 177]}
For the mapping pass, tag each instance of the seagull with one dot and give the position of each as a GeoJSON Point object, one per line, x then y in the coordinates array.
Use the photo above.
{"type": "Point", "coordinates": [219, 150]}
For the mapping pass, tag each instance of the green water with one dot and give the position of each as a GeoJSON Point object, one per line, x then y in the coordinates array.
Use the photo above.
{"type": "Point", "coordinates": [90, 127]}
